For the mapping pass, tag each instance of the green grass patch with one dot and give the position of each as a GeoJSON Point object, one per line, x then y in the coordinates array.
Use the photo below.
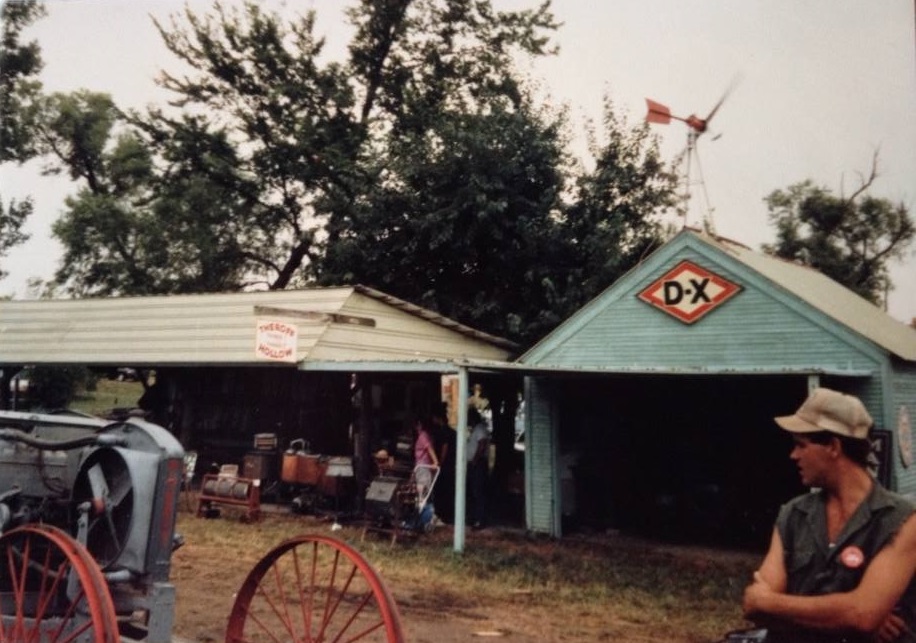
{"type": "Point", "coordinates": [108, 394]}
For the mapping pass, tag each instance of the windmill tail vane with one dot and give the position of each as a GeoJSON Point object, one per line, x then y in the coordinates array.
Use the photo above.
{"type": "Point", "coordinates": [658, 113]}
{"type": "Point", "coordinates": [661, 114]}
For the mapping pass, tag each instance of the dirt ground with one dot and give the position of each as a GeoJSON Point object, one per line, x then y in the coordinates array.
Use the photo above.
{"type": "Point", "coordinates": [207, 575]}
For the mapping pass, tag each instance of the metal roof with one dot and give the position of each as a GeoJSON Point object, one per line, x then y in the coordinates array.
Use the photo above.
{"type": "Point", "coordinates": [826, 295]}
{"type": "Point", "coordinates": [347, 324]}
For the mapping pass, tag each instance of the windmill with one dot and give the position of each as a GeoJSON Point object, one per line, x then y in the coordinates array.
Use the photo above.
{"type": "Point", "coordinates": [696, 127]}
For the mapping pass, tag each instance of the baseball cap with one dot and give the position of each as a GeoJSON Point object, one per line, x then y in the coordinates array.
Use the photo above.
{"type": "Point", "coordinates": [828, 410]}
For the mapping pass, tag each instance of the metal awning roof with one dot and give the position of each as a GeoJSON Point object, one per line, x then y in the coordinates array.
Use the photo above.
{"type": "Point", "coordinates": [223, 329]}
{"type": "Point", "coordinates": [495, 366]}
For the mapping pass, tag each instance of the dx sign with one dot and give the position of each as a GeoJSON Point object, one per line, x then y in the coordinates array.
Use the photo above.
{"type": "Point", "coordinates": [687, 292]}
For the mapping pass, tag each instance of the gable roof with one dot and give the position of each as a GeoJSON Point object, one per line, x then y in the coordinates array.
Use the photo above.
{"type": "Point", "coordinates": [811, 287]}
{"type": "Point", "coordinates": [826, 295]}
{"type": "Point", "coordinates": [347, 324]}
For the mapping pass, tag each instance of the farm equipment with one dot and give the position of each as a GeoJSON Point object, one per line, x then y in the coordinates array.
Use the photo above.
{"type": "Point", "coordinates": [317, 482]}
{"type": "Point", "coordinates": [399, 506]}
{"type": "Point", "coordinates": [87, 528]}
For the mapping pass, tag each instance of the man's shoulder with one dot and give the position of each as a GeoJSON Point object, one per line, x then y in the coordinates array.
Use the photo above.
{"type": "Point", "coordinates": [805, 502]}
{"type": "Point", "coordinates": [900, 501]}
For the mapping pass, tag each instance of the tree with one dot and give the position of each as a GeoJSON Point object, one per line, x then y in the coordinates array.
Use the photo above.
{"type": "Point", "coordinates": [133, 227]}
{"type": "Point", "coordinates": [310, 132]}
{"type": "Point", "coordinates": [463, 220]}
{"type": "Point", "coordinates": [422, 165]}
{"type": "Point", "coordinates": [610, 224]}
{"type": "Point", "coordinates": [19, 64]}
{"type": "Point", "coordinates": [849, 239]}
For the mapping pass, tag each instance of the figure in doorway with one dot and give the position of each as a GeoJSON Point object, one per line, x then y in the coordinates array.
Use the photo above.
{"type": "Point", "coordinates": [426, 461]}
{"type": "Point", "coordinates": [445, 438]}
{"type": "Point", "coordinates": [478, 447]}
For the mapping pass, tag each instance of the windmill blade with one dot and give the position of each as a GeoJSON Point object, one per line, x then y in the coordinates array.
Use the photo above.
{"type": "Point", "coordinates": [658, 113]}
{"type": "Point", "coordinates": [728, 90]}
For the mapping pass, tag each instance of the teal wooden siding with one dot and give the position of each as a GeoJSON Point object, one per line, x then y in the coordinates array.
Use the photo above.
{"type": "Point", "coordinates": [759, 328]}
{"type": "Point", "coordinates": [903, 394]}
{"type": "Point", "coordinates": [541, 486]}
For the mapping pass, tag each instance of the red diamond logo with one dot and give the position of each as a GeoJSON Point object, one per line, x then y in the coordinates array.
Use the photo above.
{"type": "Point", "coordinates": [688, 292]}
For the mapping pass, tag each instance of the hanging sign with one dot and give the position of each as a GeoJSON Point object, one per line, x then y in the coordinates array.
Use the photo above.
{"type": "Point", "coordinates": [879, 458]}
{"type": "Point", "coordinates": [904, 436]}
{"type": "Point", "coordinates": [688, 292]}
{"type": "Point", "coordinates": [276, 341]}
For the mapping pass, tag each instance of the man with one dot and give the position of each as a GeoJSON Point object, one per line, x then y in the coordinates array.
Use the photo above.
{"type": "Point", "coordinates": [841, 561]}
{"type": "Point", "coordinates": [478, 449]}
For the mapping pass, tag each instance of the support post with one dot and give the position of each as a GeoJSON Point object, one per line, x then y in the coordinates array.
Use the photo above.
{"type": "Point", "coordinates": [461, 460]}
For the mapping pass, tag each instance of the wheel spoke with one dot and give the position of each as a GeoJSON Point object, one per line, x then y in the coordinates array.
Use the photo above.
{"type": "Point", "coordinates": [59, 593]}
{"type": "Point", "coordinates": [341, 598]}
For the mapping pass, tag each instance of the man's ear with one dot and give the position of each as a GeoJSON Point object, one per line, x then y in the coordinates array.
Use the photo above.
{"type": "Point", "coordinates": [835, 446]}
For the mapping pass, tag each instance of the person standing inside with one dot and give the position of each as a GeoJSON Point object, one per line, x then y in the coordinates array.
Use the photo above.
{"type": "Point", "coordinates": [444, 438]}
{"type": "Point", "coordinates": [842, 558]}
{"type": "Point", "coordinates": [478, 448]}
{"type": "Point", "coordinates": [424, 457]}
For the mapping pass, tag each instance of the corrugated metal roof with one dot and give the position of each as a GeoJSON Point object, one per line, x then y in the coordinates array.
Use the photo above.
{"type": "Point", "coordinates": [349, 323]}
{"type": "Point", "coordinates": [827, 296]}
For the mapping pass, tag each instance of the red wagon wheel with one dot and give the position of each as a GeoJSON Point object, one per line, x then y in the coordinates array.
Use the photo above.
{"type": "Point", "coordinates": [51, 589]}
{"type": "Point", "coordinates": [312, 589]}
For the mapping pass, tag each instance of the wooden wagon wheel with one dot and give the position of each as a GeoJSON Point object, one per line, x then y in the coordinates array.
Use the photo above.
{"type": "Point", "coordinates": [51, 589]}
{"type": "Point", "coordinates": [313, 588]}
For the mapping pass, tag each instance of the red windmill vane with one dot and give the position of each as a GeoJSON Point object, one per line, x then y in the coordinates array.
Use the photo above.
{"type": "Point", "coordinates": [658, 113]}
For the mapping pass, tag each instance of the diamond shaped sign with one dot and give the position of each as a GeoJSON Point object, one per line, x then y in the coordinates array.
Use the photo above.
{"type": "Point", "coordinates": [688, 292]}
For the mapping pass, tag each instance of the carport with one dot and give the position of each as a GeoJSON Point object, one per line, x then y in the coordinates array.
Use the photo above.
{"type": "Point", "coordinates": [232, 366]}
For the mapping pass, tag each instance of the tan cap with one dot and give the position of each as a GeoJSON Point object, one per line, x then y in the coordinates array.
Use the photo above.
{"type": "Point", "coordinates": [827, 410]}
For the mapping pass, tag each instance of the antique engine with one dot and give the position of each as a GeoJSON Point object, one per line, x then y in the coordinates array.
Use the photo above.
{"type": "Point", "coordinates": [87, 527]}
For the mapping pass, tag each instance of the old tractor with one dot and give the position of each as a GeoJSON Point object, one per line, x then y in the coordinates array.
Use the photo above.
{"type": "Point", "coordinates": [87, 528]}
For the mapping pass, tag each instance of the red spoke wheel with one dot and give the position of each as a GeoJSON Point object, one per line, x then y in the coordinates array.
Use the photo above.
{"type": "Point", "coordinates": [52, 590]}
{"type": "Point", "coordinates": [313, 589]}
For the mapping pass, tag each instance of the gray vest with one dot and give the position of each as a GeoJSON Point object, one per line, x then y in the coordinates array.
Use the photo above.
{"type": "Point", "coordinates": [815, 566]}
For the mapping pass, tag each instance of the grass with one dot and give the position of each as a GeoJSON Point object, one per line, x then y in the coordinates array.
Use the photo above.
{"type": "Point", "coordinates": [109, 394]}
{"type": "Point", "coordinates": [595, 584]}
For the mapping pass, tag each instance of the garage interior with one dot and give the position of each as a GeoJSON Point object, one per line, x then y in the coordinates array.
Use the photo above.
{"type": "Point", "coordinates": [690, 458]}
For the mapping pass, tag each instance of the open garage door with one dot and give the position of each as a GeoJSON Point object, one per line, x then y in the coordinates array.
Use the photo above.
{"type": "Point", "coordinates": [693, 458]}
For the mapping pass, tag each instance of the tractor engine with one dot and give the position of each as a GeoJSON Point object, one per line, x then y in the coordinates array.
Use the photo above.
{"type": "Point", "coordinates": [112, 487]}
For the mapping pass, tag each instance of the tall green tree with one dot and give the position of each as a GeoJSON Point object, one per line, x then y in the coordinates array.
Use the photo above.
{"type": "Point", "coordinates": [422, 165]}
{"type": "Point", "coordinates": [20, 63]}
{"type": "Point", "coordinates": [610, 223]}
{"type": "Point", "coordinates": [463, 219]}
{"type": "Point", "coordinates": [851, 239]}
{"type": "Point", "coordinates": [310, 131]}
{"type": "Point", "coordinates": [143, 221]}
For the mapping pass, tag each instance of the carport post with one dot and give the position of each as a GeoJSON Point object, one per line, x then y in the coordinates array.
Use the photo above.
{"type": "Point", "coordinates": [461, 460]}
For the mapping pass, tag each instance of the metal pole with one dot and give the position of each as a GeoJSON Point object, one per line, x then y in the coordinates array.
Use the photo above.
{"type": "Point", "coordinates": [461, 460]}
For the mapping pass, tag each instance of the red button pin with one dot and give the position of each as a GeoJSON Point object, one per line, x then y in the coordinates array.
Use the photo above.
{"type": "Point", "coordinates": [852, 557]}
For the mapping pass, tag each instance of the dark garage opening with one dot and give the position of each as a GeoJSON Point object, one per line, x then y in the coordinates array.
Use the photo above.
{"type": "Point", "coordinates": [685, 458]}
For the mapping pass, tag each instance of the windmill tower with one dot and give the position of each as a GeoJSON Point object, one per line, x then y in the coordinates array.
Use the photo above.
{"type": "Point", "coordinates": [696, 127]}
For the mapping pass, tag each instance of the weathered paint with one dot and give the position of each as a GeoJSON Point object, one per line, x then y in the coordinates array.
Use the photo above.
{"type": "Point", "coordinates": [785, 320]}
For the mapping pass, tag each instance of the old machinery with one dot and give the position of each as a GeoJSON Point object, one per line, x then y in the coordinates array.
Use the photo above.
{"type": "Point", "coordinates": [87, 528]}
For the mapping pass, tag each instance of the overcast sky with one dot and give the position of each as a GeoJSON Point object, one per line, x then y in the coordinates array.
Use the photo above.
{"type": "Point", "coordinates": [824, 84]}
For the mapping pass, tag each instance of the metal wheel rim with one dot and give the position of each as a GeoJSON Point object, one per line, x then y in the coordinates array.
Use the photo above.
{"type": "Point", "coordinates": [311, 589]}
{"type": "Point", "coordinates": [28, 554]}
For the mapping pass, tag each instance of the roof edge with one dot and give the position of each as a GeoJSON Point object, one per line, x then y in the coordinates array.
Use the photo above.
{"type": "Point", "coordinates": [434, 317]}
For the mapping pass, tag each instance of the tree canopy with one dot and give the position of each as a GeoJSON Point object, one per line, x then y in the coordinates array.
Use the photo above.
{"type": "Point", "coordinates": [20, 63]}
{"type": "Point", "coordinates": [422, 164]}
{"type": "Point", "coordinates": [851, 239]}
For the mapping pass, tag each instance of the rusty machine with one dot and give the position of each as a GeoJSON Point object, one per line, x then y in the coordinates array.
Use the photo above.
{"type": "Point", "coordinates": [87, 528]}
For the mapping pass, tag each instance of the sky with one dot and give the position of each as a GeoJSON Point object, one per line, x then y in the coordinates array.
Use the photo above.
{"type": "Point", "coordinates": [822, 86]}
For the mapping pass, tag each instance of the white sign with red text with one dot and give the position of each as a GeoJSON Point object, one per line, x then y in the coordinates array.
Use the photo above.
{"type": "Point", "coordinates": [688, 292]}
{"type": "Point", "coordinates": [276, 341]}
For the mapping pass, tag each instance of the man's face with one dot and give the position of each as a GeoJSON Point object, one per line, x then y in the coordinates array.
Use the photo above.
{"type": "Point", "coordinates": [812, 459]}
